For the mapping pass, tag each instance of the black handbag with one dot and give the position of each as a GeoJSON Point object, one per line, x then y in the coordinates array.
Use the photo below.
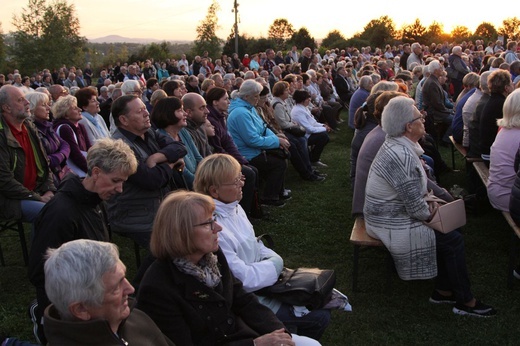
{"type": "Point", "coordinates": [296, 130]}
{"type": "Point", "coordinates": [279, 153]}
{"type": "Point", "coordinates": [309, 287]}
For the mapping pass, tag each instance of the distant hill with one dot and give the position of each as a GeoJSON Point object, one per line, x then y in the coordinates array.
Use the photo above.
{"type": "Point", "coordinates": [121, 39]}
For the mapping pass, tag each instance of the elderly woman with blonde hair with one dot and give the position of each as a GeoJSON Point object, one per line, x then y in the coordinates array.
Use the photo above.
{"type": "Point", "coordinates": [67, 115]}
{"type": "Point", "coordinates": [57, 149]}
{"type": "Point", "coordinates": [219, 176]}
{"type": "Point", "coordinates": [502, 155]}
{"type": "Point", "coordinates": [190, 292]}
{"type": "Point", "coordinates": [395, 211]}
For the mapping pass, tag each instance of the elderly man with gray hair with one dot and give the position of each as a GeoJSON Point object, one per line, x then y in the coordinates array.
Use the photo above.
{"type": "Point", "coordinates": [85, 281]}
{"type": "Point", "coordinates": [433, 101]}
{"type": "Point", "coordinates": [457, 70]}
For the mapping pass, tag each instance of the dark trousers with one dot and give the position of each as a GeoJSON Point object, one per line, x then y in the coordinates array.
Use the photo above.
{"type": "Point", "coordinates": [311, 325]}
{"type": "Point", "coordinates": [451, 262]}
{"type": "Point", "coordinates": [317, 142]}
{"type": "Point", "coordinates": [250, 185]}
{"type": "Point", "coordinates": [329, 115]}
{"type": "Point", "coordinates": [272, 171]}
{"type": "Point", "coordinates": [300, 155]}
{"type": "Point", "coordinates": [143, 240]}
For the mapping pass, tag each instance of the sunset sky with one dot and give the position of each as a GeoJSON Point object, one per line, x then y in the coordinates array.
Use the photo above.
{"type": "Point", "coordinates": [177, 20]}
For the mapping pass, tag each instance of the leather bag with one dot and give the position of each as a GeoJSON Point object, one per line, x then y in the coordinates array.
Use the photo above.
{"type": "Point", "coordinates": [309, 287]}
{"type": "Point", "coordinates": [446, 217]}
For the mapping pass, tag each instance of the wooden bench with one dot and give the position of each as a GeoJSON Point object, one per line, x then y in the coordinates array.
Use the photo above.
{"type": "Point", "coordinates": [458, 147]}
{"type": "Point", "coordinates": [483, 172]}
{"type": "Point", "coordinates": [359, 238]}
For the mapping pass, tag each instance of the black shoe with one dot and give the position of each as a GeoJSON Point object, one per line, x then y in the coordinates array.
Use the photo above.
{"type": "Point", "coordinates": [437, 298]}
{"type": "Point", "coordinates": [479, 310]}
{"type": "Point", "coordinates": [316, 178]}
{"type": "Point", "coordinates": [316, 172]}
{"type": "Point", "coordinates": [273, 202]}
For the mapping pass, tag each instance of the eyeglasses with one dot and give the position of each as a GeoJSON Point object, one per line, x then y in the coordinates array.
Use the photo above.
{"type": "Point", "coordinates": [417, 118]}
{"type": "Point", "coordinates": [237, 181]}
{"type": "Point", "coordinates": [211, 223]}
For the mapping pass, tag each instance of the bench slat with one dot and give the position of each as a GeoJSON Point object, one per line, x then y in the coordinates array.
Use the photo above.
{"type": "Point", "coordinates": [482, 170]}
{"type": "Point", "coordinates": [360, 237]}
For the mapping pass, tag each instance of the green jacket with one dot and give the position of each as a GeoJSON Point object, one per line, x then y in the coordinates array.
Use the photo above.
{"type": "Point", "coordinates": [12, 168]}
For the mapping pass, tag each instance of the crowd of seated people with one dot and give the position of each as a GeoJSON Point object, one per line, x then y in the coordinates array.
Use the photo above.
{"type": "Point", "coordinates": [174, 113]}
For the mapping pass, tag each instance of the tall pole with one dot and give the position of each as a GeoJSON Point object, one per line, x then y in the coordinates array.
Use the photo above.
{"type": "Point", "coordinates": [235, 8]}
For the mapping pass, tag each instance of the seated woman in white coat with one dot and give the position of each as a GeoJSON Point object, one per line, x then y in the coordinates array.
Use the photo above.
{"type": "Point", "coordinates": [316, 132]}
{"type": "Point", "coordinates": [219, 176]}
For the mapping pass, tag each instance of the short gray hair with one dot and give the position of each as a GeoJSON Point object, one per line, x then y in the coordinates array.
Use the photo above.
{"type": "Point", "coordinates": [111, 155]}
{"type": "Point", "coordinates": [35, 98]}
{"type": "Point", "coordinates": [365, 81]}
{"type": "Point", "coordinates": [384, 86]}
{"type": "Point", "coordinates": [250, 87]}
{"type": "Point", "coordinates": [434, 66]}
{"type": "Point", "coordinates": [62, 106]}
{"type": "Point", "coordinates": [74, 273]}
{"type": "Point", "coordinates": [396, 114]}
{"type": "Point", "coordinates": [484, 81]}
{"type": "Point", "coordinates": [129, 86]}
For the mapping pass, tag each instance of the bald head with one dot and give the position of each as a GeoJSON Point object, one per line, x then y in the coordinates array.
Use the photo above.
{"type": "Point", "coordinates": [195, 108]}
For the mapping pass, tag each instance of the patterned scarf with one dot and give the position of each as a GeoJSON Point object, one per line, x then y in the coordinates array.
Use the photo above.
{"type": "Point", "coordinates": [206, 271]}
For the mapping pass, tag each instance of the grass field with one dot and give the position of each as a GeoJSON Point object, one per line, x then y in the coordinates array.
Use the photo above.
{"type": "Point", "coordinates": [313, 229]}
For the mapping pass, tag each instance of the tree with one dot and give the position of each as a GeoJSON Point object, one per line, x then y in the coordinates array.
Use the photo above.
{"type": "Point", "coordinates": [414, 32]}
{"type": "Point", "coordinates": [485, 31]}
{"type": "Point", "coordinates": [334, 39]}
{"type": "Point", "coordinates": [379, 31]}
{"type": "Point", "coordinates": [2, 50]}
{"type": "Point", "coordinates": [510, 29]}
{"type": "Point", "coordinates": [280, 32]}
{"type": "Point", "coordinates": [207, 39]}
{"type": "Point", "coordinates": [47, 36]}
{"type": "Point", "coordinates": [460, 33]}
{"type": "Point", "coordinates": [302, 38]}
{"type": "Point", "coordinates": [434, 32]}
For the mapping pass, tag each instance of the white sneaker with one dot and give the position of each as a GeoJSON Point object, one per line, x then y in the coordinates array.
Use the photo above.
{"type": "Point", "coordinates": [319, 164]}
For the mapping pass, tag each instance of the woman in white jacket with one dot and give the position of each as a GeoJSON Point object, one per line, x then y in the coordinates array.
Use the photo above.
{"type": "Point", "coordinates": [316, 132]}
{"type": "Point", "coordinates": [219, 176]}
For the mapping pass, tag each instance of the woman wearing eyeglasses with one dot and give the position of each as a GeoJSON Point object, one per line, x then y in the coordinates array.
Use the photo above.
{"type": "Point", "coordinates": [219, 176]}
{"type": "Point", "coordinates": [395, 209]}
{"type": "Point", "coordinates": [189, 291]}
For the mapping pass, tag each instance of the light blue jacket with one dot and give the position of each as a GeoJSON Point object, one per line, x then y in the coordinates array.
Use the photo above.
{"type": "Point", "coordinates": [249, 131]}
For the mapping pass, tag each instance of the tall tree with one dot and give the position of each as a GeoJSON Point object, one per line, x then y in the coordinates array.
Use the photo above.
{"type": "Point", "coordinates": [414, 32]}
{"type": "Point", "coordinates": [460, 33]}
{"type": "Point", "coordinates": [434, 32]}
{"type": "Point", "coordinates": [47, 36]}
{"type": "Point", "coordinates": [334, 39]}
{"type": "Point", "coordinates": [280, 32]}
{"type": "Point", "coordinates": [510, 29]}
{"type": "Point", "coordinates": [485, 31]}
{"type": "Point", "coordinates": [2, 50]}
{"type": "Point", "coordinates": [302, 38]}
{"type": "Point", "coordinates": [207, 39]}
{"type": "Point", "coordinates": [379, 31]}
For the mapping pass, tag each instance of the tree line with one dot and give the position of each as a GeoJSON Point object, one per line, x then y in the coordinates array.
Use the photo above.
{"type": "Point", "coordinates": [47, 36]}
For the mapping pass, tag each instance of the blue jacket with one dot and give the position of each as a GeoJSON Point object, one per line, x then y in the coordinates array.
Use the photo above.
{"type": "Point", "coordinates": [457, 124]}
{"type": "Point", "coordinates": [249, 131]}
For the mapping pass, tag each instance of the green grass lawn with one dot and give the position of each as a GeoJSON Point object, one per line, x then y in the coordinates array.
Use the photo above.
{"type": "Point", "coordinates": [313, 229]}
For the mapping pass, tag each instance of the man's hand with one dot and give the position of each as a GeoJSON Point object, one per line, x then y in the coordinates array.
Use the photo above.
{"type": "Point", "coordinates": [47, 196]}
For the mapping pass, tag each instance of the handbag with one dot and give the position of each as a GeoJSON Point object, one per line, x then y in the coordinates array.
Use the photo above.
{"type": "Point", "coordinates": [296, 130]}
{"type": "Point", "coordinates": [279, 153]}
{"type": "Point", "coordinates": [309, 287]}
{"type": "Point", "coordinates": [446, 217]}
